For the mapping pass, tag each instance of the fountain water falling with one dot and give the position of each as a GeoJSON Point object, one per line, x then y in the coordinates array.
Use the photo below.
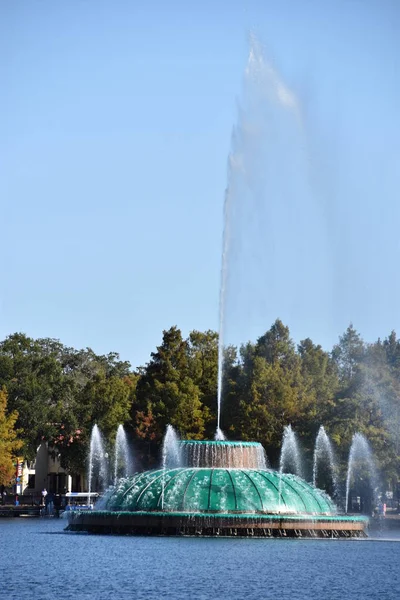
{"type": "Point", "coordinates": [230, 455]}
{"type": "Point", "coordinates": [98, 467]}
{"type": "Point", "coordinates": [290, 460]}
{"type": "Point", "coordinates": [361, 463]}
{"type": "Point", "coordinates": [323, 455]}
{"type": "Point", "coordinates": [122, 458]}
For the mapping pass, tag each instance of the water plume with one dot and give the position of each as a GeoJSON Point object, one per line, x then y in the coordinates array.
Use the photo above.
{"type": "Point", "coordinates": [98, 465]}
{"type": "Point", "coordinates": [122, 457]}
{"type": "Point", "coordinates": [171, 451]}
{"type": "Point", "coordinates": [324, 457]}
{"type": "Point", "coordinates": [362, 464]}
{"type": "Point", "coordinates": [256, 149]}
{"type": "Point", "coordinates": [171, 454]}
{"type": "Point", "coordinates": [290, 460]}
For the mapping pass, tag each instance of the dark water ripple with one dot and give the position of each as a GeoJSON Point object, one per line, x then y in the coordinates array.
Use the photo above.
{"type": "Point", "coordinates": [37, 560]}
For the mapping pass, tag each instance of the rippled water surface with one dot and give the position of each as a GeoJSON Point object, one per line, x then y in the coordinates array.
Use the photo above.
{"type": "Point", "coordinates": [39, 560]}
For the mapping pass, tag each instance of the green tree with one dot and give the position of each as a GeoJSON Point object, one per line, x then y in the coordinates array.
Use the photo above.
{"type": "Point", "coordinates": [276, 346]}
{"type": "Point", "coordinates": [203, 370]}
{"type": "Point", "coordinates": [349, 354]}
{"type": "Point", "coordinates": [268, 390]}
{"type": "Point", "coordinates": [320, 376]}
{"type": "Point", "coordinates": [167, 392]}
{"type": "Point", "coordinates": [346, 417]}
{"type": "Point", "coordinates": [56, 391]}
{"type": "Point", "coordinates": [391, 347]}
{"type": "Point", "coordinates": [33, 378]}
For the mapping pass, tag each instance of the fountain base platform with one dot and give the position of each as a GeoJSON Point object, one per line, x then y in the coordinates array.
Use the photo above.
{"type": "Point", "coordinates": [241, 525]}
{"type": "Point", "coordinates": [224, 489]}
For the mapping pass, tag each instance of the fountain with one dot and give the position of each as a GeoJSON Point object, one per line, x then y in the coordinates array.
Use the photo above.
{"type": "Point", "coordinates": [323, 456]}
{"type": "Point", "coordinates": [98, 467]}
{"type": "Point", "coordinates": [361, 462]}
{"type": "Point", "coordinates": [220, 487]}
{"type": "Point", "coordinates": [217, 488]}
{"type": "Point", "coordinates": [122, 458]}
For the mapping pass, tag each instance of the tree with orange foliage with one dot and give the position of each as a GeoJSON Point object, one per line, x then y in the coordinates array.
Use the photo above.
{"type": "Point", "coordinates": [9, 444]}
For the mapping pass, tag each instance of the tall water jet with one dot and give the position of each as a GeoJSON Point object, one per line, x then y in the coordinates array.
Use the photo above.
{"type": "Point", "coordinates": [323, 455]}
{"type": "Point", "coordinates": [290, 460]}
{"type": "Point", "coordinates": [266, 163]}
{"type": "Point", "coordinates": [171, 454]}
{"type": "Point", "coordinates": [361, 463]}
{"type": "Point", "coordinates": [229, 194]}
{"type": "Point", "coordinates": [98, 467]}
{"type": "Point", "coordinates": [122, 457]}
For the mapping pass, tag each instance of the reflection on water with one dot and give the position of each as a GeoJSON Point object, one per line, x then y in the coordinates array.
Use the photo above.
{"type": "Point", "coordinates": [42, 562]}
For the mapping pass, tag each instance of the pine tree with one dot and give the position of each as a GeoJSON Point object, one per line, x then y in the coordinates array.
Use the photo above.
{"type": "Point", "coordinates": [167, 391]}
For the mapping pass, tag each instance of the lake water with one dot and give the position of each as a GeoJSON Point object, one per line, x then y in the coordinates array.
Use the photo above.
{"type": "Point", "coordinates": [38, 560]}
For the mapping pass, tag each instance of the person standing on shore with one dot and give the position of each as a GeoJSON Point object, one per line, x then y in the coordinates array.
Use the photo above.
{"type": "Point", "coordinates": [44, 494]}
{"type": "Point", "coordinates": [57, 504]}
{"type": "Point", "coordinates": [49, 503]}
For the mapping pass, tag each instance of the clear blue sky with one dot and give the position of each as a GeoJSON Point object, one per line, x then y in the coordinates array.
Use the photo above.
{"type": "Point", "coordinates": [116, 119]}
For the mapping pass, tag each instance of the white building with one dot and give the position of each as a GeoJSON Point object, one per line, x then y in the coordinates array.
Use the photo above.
{"type": "Point", "coordinates": [46, 472]}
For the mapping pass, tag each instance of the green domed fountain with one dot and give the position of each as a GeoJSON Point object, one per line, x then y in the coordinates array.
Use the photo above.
{"type": "Point", "coordinates": [223, 489]}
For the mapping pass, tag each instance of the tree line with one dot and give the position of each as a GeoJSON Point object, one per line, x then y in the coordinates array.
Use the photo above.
{"type": "Point", "coordinates": [54, 393]}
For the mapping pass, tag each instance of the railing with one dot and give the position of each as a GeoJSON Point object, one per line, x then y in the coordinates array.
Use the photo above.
{"type": "Point", "coordinates": [32, 499]}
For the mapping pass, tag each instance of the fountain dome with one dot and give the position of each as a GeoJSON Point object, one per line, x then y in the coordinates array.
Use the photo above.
{"type": "Point", "coordinates": [220, 488]}
{"type": "Point", "coordinates": [193, 490]}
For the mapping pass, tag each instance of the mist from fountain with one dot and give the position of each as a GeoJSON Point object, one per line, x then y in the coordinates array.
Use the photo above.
{"type": "Point", "coordinates": [324, 457]}
{"type": "Point", "coordinates": [122, 457]}
{"type": "Point", "coordinates": [361, 462]}
{"type": "Point", "coordinates": [98, 463]}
